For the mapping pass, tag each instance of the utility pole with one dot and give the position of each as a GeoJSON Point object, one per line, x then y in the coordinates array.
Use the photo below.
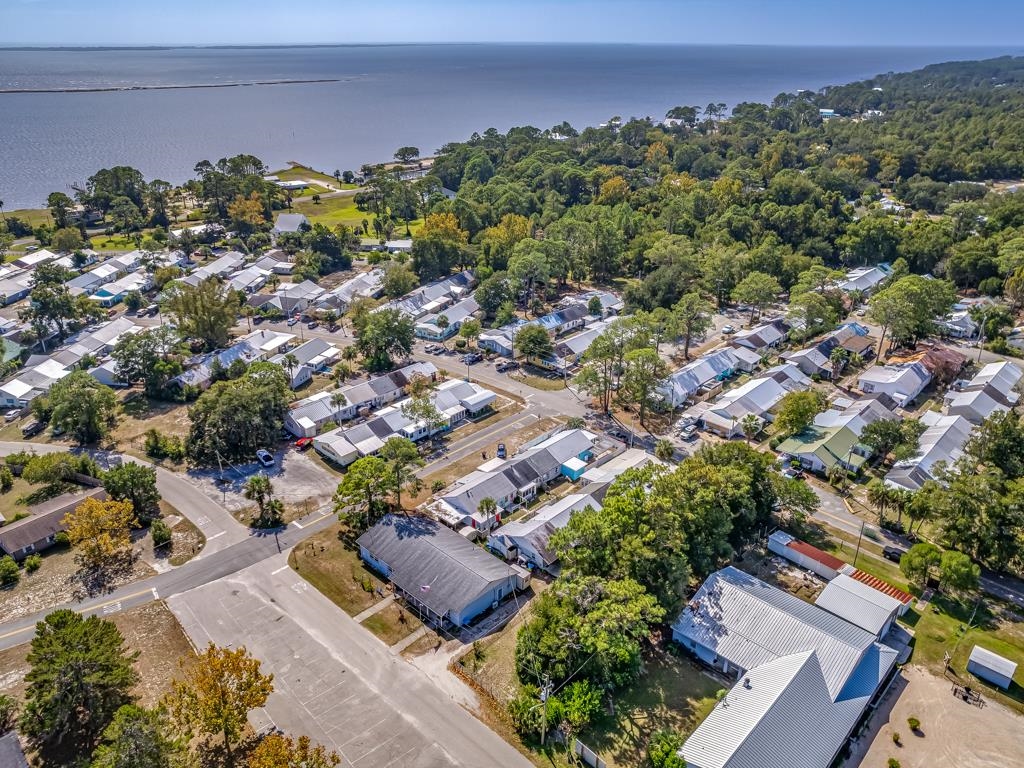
{"type": "Point", "coordinates": [859, 537]}
{"type": "Point", "coordinates": [545, 693]}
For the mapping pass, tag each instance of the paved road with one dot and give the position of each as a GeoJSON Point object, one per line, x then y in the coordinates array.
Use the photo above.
{"type": "Point", "coordinates": [216, 523]}
{"type": "Point", "coordinates": [333, 680]}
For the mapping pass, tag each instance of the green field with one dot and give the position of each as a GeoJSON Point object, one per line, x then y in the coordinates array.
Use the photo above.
{"type": "Point", "coordinates": [33, 216]}
{"type": "Point", "coordinates": [333, 211]}
{"type": "Point", "coordinates": [112, 243]}
{"type": "Point", "coordinates": [296, 172]}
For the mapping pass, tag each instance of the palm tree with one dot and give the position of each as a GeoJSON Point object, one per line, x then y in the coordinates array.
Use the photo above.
{"type": "Point", "coordinates": [258, 488]}
{"type": "Point", "coordinates": [290, 361]}
{"type": "Point", "coordinates": [338, 399]}
{"type": "Point", "coordinates": [664, 450]}
{"type": "Point", "coordinates": [487, 507]}
{"type": "Point", "coordinates": [879, 497]}
{"type": "Point", "coordinates": [838, 359]}
{"type": "Point", "coordinates": [751, 425]}
{"type": "Point", "coordinates": [2, 214]}
{"type": "Point", "coordinates": [247, 312]}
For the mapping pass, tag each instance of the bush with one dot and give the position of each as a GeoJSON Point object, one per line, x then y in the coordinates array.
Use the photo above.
{"type": "Point", "coordinates": [32, 563]}
{"type": "Point", "coordinates": [893, 763]}
{"type": "Point", "coordinates": [62, 539]}
{"type": "Point", "coordinates": [9, 573]}
{"type": "Point", "coordinates": [437, 486]}
{"type": "Point", "coordinates": [161, 533]}
{"type": "Point", "coordinates": [159, 446]}
{"type": "Point", "coordinates": [914, 723]}
{"type": "Point", "coordinates": [896, 738]}
{"type": "Point", "coordinates": [6, 479]}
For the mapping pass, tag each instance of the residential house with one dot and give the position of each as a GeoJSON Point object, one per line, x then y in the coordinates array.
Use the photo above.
{"type": "Point", "coordinates": [993, 389]}
{"type": "Point", "coordinates": [816, 360]}
{"type": "Point", "coordinates": [611, 303]}
{"type": "Point", "coordinates": [701, 378]}
{"type": "Point", "coordinates": [15, 287]}
{"type": "Point", "coordinates": [510, 482]}
{"type": "Point", "coordinates": [290, 222]}
{"type": "Point", "coordinates": [200, 370]}
{"type": "Point", "coordinates": [864, 279]}
{"type": "Point", "coordinates": [379, 391]}
{"type": "Point", "coordinates": [597, 478]}
{"type": "Point", "coordinates": [34, 259]}
{"type": "Point", "coordinates": [364, 285]}
{"type": "Point", "coordinates": [819, 449]}
{"type": "Point", "coordinates": [388, 246]}
{"type": "Point", "coordinates": [568, 352]}
{"type": "Point", "coordinates": [762, 338]}
{"type": "Point", "coordinates": [289, 298]}
{"type": "Point", "coordinates": [902, 382]}
{"type": "Point", "coordinates": [856, 414]}
{"type": "Point", "coordinates": [306, 359]}
{"type": "Point", "coordinates": [502, 340]}
{"type": "Point", "coordinates": [528, 540]}
{"type": "Point", "coordinates": [941, 444]}
{"type": "Point", "coordinates": [307, 417]}
{"type": "Point", "coordinates": [804, 677]}
{"type": "Point", "coordinates": [276, 262]}
{"type": "Point", "coordinates": [564, 320]}
{"type": "Point", "coordinates": [435, 297]}
{"type": "Point", "coordinates": [448, 579]}
{"type": "Point", "coordinates": [268, 343]}
{"type": "Point", "coordinates": [31, 382]}
{"type": "Point", "coordinates": [115, 292]}
{"type": "Point", "coordinates": [456, 314]}
{"type": "Point", "coordinates": [221, 267]}
{"type": "Point", "coordinates": [860, 604]}
{"type": "Point", "coordinates": [201, 232]}
{"type": "Point", "coordinates": [455, 401]}
{"type": "Point", "coordinates": [248, 280]}
{"type": "Point", "coordinates": [726, 414]}
{"type": "Point", "coordinates": [39, 530]}
{"type": "Point", "coordinates": [958, 325]}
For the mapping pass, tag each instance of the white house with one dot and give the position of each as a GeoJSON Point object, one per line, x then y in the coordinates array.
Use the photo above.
{"type": "Point", "coordinates": [864, 279]}
{"type": "Point", "coordinates": [993, 389]}
{"type": "Point", "coordinates": [30, 383]}
{"type": "Point", "coordinates": [686, 383]}
{"type": "Point", "coordinates": [860, 604]}
{"type": "Point", "coordinates": [268, 343]}
{"type": "Point", "coordinates": [528, 539]}
{"type": "Point", "coordinates": [942, 443]}
{"type": "Point", "coordinates": [902, 382]}
{"type": "Point", "coordinates": [290, 222]}
{"type": "Point", "coordinates": [756, 397]}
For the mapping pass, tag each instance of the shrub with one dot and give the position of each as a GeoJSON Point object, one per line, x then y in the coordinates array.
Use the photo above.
{"type": "Point", "coordinates": [914, 723]}
{"type": "Point", "coordinates": [6, 479]}
{"type": "Point", "coordinates": [437, 486]}
{"type": "Point", "coordinates": [159, 446]}
{"type": "Point", "coordinates": [893, 763]}
{"type": "Point", "coordinates": [32, 563]}
{"type": "Point", "coordinates": [896, 738]}
{"type": "Point", "coordinates": [9, 573]}
{"type": "Point", "coordinates": [161, 533]}
{"type": "Point", "coordinates": [62, 539]}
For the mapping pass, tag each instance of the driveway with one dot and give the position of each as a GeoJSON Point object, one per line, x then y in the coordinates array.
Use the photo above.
{"type": "Point", "coordinates": [333, 680]}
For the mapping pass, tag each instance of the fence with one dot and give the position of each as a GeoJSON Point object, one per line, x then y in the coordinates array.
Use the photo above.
{"type": "Point", "coordinates": [588, 756]}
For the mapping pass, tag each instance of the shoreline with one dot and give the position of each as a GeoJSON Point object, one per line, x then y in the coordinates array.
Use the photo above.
{"type": "Point", "coordinates": [120, 88]}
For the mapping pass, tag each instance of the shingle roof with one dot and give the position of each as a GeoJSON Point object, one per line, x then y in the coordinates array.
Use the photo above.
{"type": "Point", "coordinates": [439, 567]}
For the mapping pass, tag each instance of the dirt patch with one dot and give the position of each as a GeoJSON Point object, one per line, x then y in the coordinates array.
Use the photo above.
{"type": "Point", "coordinates": [777, 572]}
{"type": "Point", "coordinates": [140, 414]}
{"type": "Point", "coordinates": [150, 629]}
{"type": "Point", "coordinates": [330, 562]}
{"type": "Point", "coordinates": [952, 731]}
{"type": "Point", "coordinates": [56, 583]}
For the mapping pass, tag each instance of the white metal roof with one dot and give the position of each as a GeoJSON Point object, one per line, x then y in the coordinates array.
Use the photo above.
{"type": "Point", "coordinates": [993, 661]}
{"type": "Point", "coordinates": [858, 603]}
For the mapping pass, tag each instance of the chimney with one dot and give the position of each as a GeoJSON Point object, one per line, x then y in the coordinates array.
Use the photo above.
{"type": "Point", "coordinates": [746, 683]}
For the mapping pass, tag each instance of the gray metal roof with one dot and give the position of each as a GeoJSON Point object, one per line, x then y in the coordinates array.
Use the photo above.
{"type": "Point", "coordinates": [858, 603]}
{"type": "Point", "coordinates": [993, 661]}
{"type": "Point", "coordinates": [750, 623]}
{"type": "Point", "coordinates": [440, 568]}
{"type": "Point", "coordinates": [44, 520]}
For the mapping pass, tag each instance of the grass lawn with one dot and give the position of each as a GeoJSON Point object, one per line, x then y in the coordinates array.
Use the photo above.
{"type": "Point", "coordinates": [112, 243]}
{"type": "Point", "coordinates": [554, 384]}
{"type": "Point", "coordinates": [332, 565]}
{"type": "Point", "coordinates": [392, 623]}
{"type": "Point", "coordinates": [32, 216]}
{"type": "Point", "coordinates": [333, 211]}
{"type": "Point", "coordinates": [674, 694]}
{"type": "Point", "coordinates": [10, 506]}
{"type": "Point", "coordinates": [142, 414]}
{"type": "Point", "coordinates": [299, 172]}
{"type": "Point", "coordinates": [942, 628]}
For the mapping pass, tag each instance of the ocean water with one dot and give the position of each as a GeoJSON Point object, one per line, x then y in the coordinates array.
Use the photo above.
{"type": "Point", "coordinates": [384, 97]}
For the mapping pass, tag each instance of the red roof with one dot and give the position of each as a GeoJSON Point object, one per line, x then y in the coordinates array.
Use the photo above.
{"type": "Point", "coordinates": [814, 553]}
{"type": "Point", "coordinates": [884, 587]}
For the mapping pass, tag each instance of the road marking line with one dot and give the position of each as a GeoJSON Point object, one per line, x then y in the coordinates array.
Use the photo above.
{"type": "Point", "coordinates": [156, 596]}
{"type": "Point", "coordinates": [282, 568]}
{"type": "Point", "coordinates": [298, 525]}
{"type": "Point", "coordinates": [216, 535]}
{"type": "Point", "coordinates": [112, 608]}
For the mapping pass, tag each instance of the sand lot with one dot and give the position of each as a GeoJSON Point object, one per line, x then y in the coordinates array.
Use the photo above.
{"type": "Point", "coordinates": [953, 733]}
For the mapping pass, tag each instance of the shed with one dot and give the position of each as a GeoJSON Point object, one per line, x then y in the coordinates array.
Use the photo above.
{"type": "Point", "coordinates": [803, 554]}
{"type": "Point", "coordinates": [991, 667]}
{"type": "Point", "coordinates": [574, 468]}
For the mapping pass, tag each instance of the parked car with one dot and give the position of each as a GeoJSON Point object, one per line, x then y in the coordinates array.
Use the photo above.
{"type": "Point", "coordinates": [689, 432]}
{"type": "Point", "coordinates": [501, 451]}
{"type": "Point", "coordinates": [303, 443]}
{"type": "Point", "coordinates": [32, 428]}
{"type": "Point", "coordinates": [892, 553]}
{"type": "Point", "coordinates": [312, 324]}
{"type": "Point", "coordinates": [793, 473]}
{"type": "Point", "coordinates": [473, 358]}
{"type": "Point", "coordinates": [292, 321]}
{"type": "Point", "coordinates": [265, 457]}
{"type": "Point", "coordinates": [12, 415]}
{"type": "Point", "coordinates": [431, 349]}
{"type": "Point", "coordinates": [728, 330]}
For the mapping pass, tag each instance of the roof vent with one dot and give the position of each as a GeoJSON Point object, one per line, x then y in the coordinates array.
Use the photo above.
{"type": "Point", "coordinates": [746, 683]}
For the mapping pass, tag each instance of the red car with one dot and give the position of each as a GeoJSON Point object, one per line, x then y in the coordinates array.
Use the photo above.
{"type": "Point", "coordinates": [303, 443]}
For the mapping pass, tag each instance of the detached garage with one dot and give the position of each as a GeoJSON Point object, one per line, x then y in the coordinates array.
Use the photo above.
{"type": "Point", "coordinates": [991, 667]}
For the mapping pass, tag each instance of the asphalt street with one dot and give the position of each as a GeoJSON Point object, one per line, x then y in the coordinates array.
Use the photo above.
{"type": "Point", "coordinates": [333, 680]}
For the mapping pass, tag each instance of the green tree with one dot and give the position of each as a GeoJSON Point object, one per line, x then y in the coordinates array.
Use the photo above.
{"type": "Point", "coordinates": [67, 239]}
{"type": "Point", "coordinates": [140, 738]}
{"type": "Point", "coordinates": [60, 206]}
{"type": "Point", "coordinates": [8, 712]}
{"type": "Point", "coordinates": [533, 342]}
{"type": "Point", "coordinates": [83, 407]}
{"type": "Point", "coordinates": [148, 357]}
{"type": "Point", "coordinates": [645, 370]}
{"type": "Point", "coordinates": [907, 309]}
{"type": "Point", "coordinates": [664, 449]}
{"type": "Point", "coordinates": [215, 694]}
{"type": "Point", "coordinates": [360, 498]}
{"type": "Point", "coordinates": [957, 573]}
{"type": "Point", "coordinates": [663, 750]}
{"type": "Point", "coordinates": [796, 411]}
{"type": "Point", "coordinates": [896, 436]}
{"type": "Point", "coordinates": [757, 290]}
{"type": "Point", "coordinates": [233, 419]}
{"type": "Point", "coordinates": [137, 484]}
{"type": "Point", "coordinates": [470, 329]}
{"type": "Point", "coordinates": [693, 315]}
{"type": "Point", "coordinates": [918, 562]}
{"type": "Point", "coordinates": [399, 280]}
{"type": "Point", "coordinates": [384, 334]}
{"type": "Point", "coordinates": [492, 292]}
{"type": "Point", "coordinates": [528, 270]}
{"type": "Point", "coordinates": [80, 674]}
{"type": "Point", "coordinates": [9, 572]}
{"type": "Point", "coordinates": [51, 302]}
{"type": "Point", "coordinates": [205, 312]}
{"type": "Point", "coordinates": [403, 459]}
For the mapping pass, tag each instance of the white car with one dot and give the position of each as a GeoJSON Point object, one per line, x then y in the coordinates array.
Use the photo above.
{"type": "Point", "coordinates": [265, 457]}
{"type": "Point", "coordinates": [728, 329]}
{"type": "Point", "coordinates": [12, 414]}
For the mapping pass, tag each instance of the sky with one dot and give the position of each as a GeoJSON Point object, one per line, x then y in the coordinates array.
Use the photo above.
{"type": "Point", "coordinates": [775, 22]}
